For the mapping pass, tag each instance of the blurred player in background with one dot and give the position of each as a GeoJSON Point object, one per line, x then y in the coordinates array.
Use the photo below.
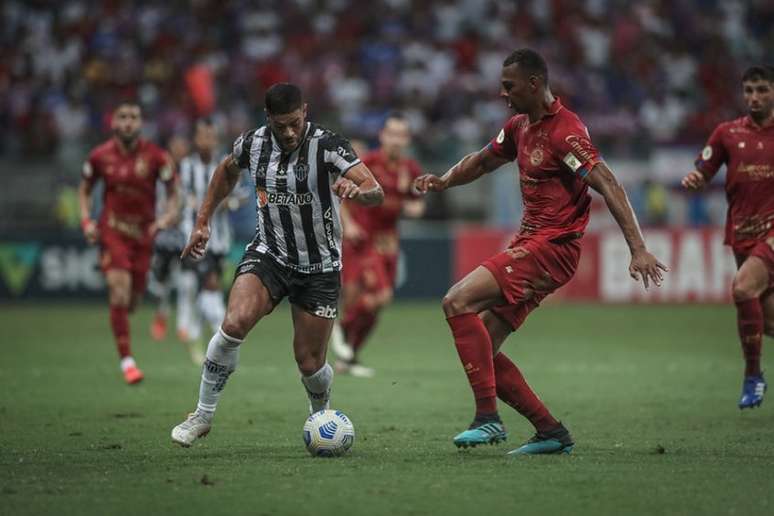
{"type": "Point", "coordinates": [129, 166]}
{"type": "Point", "coordinates": [167, 247]}
{"type": "Point", "coordinates": [557, 163]}
{"type": "Point", "coordinates": [371, 244]}
{"type": "Point", "coordinates": [746, 147]}
{"type": "Point", "coordinates": [200, 295]}
{"type": "Point", "coordinates": [301, 170]}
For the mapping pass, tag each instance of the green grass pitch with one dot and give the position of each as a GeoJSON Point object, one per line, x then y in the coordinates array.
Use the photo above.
{"type": "Point", "coordinates": [649, 394]}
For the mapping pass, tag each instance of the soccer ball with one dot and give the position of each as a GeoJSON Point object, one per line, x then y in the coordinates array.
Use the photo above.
{"type": "Point", "coordinates": [328, 433]}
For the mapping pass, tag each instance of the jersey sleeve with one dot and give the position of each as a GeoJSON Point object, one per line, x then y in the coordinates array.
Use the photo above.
{"type": "Point", "coordinates": [91, 170]}
{"type": "Point", "coordinates": [713, 156]}
{"type": "Point", "coordinates": [338, 152]}
{"type": "Point", "coordinates": [505, 144]}
{"type": "Point", "coordinates": [241, 150]}
{"type": "Point", "coordinates": [574, 148]}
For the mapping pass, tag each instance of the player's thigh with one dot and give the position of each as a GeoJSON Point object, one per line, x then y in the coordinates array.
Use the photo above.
{"type": "Point", "coordinates": [751, 280]}
{"type": "Point", "coordinates": [474, 293]}
{"type": "Point", "coordinates": [248, 301]}
{"type": "Point", "coordinates": [310, 339]}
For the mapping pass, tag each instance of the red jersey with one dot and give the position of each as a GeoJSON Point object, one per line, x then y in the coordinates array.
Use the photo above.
{"type": "Point", "coordinates": [554, 154]}
{"type": "Point", "coordinates": [380, 223]}
{"type": "Point", "coordinates": [748, 152]}
{"type": "Point", "coordinates": [130, 184]}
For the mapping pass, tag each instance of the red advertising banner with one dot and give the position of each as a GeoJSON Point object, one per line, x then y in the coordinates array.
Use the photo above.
{"type": "Point", "coordinates": [701, 266]}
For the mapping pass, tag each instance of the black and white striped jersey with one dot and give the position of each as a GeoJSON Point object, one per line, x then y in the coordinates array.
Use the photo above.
{"type": "Point", "coordinates": [298, 213]}
{"type": "Point", "coordinates": [195, 177]}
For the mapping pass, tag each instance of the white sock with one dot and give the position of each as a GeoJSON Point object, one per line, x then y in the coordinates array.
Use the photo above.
{"type": "Point", "coordinates": [127, 362]}
{"type": "Point", "coordinates": [186, 311]}
{"type": "Point", "coordinates": [212, 307]}
{"type": "Point", "coordinates": [222, 359]}
{"type": "Point", "coordinates": [318, 388]}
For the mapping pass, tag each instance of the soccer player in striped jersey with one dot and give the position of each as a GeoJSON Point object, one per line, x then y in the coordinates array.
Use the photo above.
{"type": "Point", "coordinates": [199, 282]}
{"type": "Point", "coordinates": [746, 147]}
{"type": "Point", "coordinates": [301, 171]}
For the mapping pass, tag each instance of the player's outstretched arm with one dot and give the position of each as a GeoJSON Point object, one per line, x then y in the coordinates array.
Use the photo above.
{"type": "Point", "coordinates": [171, 207]}
{"type": "Point", "coordinates": [360, 185]}
{"type": "Point", "coordinates": [467, 170]}
{"type": "Point", "coordinates": [643, 265]}
{"type": "Point", "coordinates": [224, 179]}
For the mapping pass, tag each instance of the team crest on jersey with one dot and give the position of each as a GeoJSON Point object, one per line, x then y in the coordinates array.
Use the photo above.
{"type": "Point", "coordinates": [501, 137]}
{"type": "Point", "coordinates": [536, 158]}
{"type": "Point", "coordinates": [301, 170]}
{"type": "Point", "coordinates": [706, 153]}
{"type": "Point", "coordinates": [140, 168]}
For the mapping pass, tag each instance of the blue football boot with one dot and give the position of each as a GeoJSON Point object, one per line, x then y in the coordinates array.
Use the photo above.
{"type": "Point", "coordinates": [489, 431]}
{"type": "Point", "coordinates": [753, 389]}
{"type": "Point", "coordinates": [557, 440]}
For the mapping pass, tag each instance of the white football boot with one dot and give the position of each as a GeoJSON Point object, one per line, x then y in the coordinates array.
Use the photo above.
{"type": "Point", "coordinates": [194, 427]}
{"type": "Point", "coordinates": [339, 346]}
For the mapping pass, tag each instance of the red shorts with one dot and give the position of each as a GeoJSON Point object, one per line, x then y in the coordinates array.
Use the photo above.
{"type": "Point", "coordinates": [366, 267]}
{"type": "Point", "coordinates": [528, 271]}
{"type": "Point", "coordinates": [121, 252]}
{"type": "Point", "coordinates": [763, 250]}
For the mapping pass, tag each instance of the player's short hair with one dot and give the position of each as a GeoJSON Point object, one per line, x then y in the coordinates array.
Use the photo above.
{"type": "Point", "coordinates": [529, 61]}
{"type": "Point", "coordinates": [759, 73]}
{"type": "Point", "coordinates": [131, 102]}
{"type": "Point", "coordinates": [283, 98]}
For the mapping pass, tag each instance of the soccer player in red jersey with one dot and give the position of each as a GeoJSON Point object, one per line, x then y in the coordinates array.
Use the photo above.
{"type": "Point", "coordinates": [371, 243]}
{"type": "Point", "coordinates": [557, 163]}
{"type": "Point", "coordinates": [746, 146]}
{"type": "Point", "coordinates": [129, 166]}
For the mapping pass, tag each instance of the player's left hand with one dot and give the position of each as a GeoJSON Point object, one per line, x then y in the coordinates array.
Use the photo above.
{"type": "Point", "coordinates": [645, 266]}
{"type": "Point", "coordinates": [197, 243]}
{"type": "Point", "coordinates": [346, 189]}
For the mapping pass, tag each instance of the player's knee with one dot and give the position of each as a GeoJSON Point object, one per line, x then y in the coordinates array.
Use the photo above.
{"type": "Point", "coordinates": [743, 290]}
{"type": "Point", "coordinates": [454, 303]}
{"type": "Point", "coordinates": [236, 325]}
{"type": "Point", "coordinates": [309, 363]}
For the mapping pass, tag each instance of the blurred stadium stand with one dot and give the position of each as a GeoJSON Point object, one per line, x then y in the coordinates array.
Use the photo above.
{"type": "Point", "coordinates": [650, 78]}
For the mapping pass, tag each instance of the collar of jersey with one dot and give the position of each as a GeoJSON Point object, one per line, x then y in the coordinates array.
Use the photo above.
{"type": "Point", "coordinates": [555, 107]}
{"type": "Point", "coordinates": [749, 122]}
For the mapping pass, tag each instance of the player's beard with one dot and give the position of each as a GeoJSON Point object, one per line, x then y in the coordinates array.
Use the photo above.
{"type": "Point", "coordinates": [128, 139]}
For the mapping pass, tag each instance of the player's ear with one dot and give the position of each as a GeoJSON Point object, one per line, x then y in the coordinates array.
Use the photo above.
{"type": "Point", "coordinates": [304, 109]}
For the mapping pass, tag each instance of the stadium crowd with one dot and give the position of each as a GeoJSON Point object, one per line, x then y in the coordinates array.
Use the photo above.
{"type": "Point", "coordinates": [646, 72]}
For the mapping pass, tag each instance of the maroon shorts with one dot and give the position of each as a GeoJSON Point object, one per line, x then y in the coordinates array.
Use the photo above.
{"type": "Point", "coordinates": [366, 267]}
{"type": "Point", "coordinates": [763, 250]}
{"type": "Point", "coordinates": [528, 271]}
{"type": "Point", "coordinates": [119, 251]}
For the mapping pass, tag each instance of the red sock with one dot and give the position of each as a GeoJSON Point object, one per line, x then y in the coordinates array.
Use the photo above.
{"type": "Point", "coordinates": [513, 389]}
{"type": "Point", "coordinates": [749, 319]}
{"type": "Point", "coordinates": [357, 323]}
{"type": "Point", "coordinates": [119, 321]}
{"type": "Point", "coordinates": [475, 350]}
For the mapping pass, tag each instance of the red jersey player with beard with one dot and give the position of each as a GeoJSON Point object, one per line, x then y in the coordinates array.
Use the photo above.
{"type": "Point", "coordinates": [129, 167]}
{"type": "Point", "coordinates": [557, 163]}
{"type": "Point", "coordinates": [370, 247]}
{"type": "Point", "coordinates": [746, 146]}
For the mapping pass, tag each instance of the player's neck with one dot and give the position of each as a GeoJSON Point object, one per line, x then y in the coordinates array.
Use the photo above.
{"type": "Point", "coordinates": [764, 121]}
{"type": "Point", "coordinates": [127, 148]}
{"type": "Point", "coordinates": [542, 108]}
{"type": "Point", "coordinates": [205, 157]}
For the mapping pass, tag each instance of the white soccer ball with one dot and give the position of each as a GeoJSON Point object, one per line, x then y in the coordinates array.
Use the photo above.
{"type": "Point", "coordinates": [328, 433]}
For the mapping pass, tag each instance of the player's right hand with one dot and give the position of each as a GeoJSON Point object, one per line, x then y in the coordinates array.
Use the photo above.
{"type": "Point", "coordinates": [428, 183]}
{"type": "Point", "coordinates": [90, 231]}
{"type": "Point", "coordinates": [197, 243]}
{"type": "Point", "coordinates": [694, 181]}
